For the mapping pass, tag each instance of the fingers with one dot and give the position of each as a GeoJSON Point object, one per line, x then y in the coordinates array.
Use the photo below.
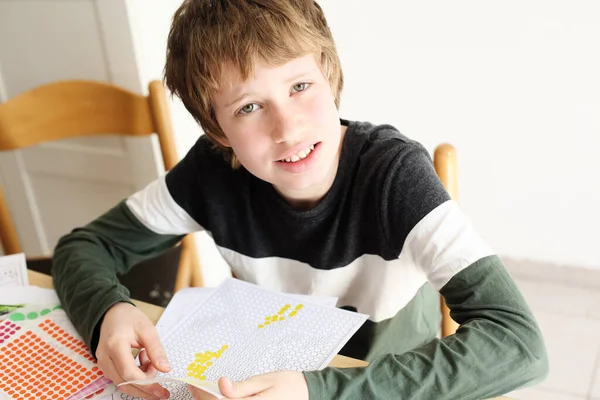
{"type": "Point", "coordinates": [110, 371]}
{"type": "Point", "coordinates": [146, 365]}
{"type": "Point", "coordinates": [247, 388]}
{"type": "Point", "coordinates": [151, 341]}
{"type": "Point", "coordinates": [124, 327]}
{"type": "Point", "coordinates": [128, 371]}
{"type": "Point", "coordinates": [143, 355]}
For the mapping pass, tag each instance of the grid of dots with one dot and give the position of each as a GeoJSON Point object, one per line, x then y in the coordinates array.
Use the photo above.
{"type": "Point", "coordinates": [7, 330]}
{"type": "Point", "coordinates": [31, 369]}
{"type": "Point", "coordinates": [304, 341]}
{"type": "Point", "coordinates": [64, 338]}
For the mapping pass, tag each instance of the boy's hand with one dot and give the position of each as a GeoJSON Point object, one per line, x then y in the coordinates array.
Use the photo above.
{"type": "Point", "coordinates": [288, 385]}
{"type": "Point", "coordinates": [124, 328]}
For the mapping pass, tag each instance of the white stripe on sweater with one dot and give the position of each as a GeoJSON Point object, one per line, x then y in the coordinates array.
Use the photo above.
{"type": "Point", "coordinates": [156, 209]}
{"type": "Point", "coordinates": [440, 245]}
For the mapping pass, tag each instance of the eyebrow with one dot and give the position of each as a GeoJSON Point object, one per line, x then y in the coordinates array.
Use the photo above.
{"type": "Point", "coordinates": [298, 76]}
{"type": "Point", "coordinates": [238, 99]}
{"type": "Point", "coordinates": [293, 78]}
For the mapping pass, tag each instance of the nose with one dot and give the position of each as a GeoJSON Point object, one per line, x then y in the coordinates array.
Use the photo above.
{"type": "Point", "coordinates": [286, 126]}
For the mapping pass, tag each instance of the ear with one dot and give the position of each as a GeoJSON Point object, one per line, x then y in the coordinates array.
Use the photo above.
{"type": "Point", "coordinates": [223, 141]}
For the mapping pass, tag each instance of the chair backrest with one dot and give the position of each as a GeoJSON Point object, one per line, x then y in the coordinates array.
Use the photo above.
{"type": "Point", "coordinates": [79, 108]}
{"type": "Point", "coordinates": [446, 166]}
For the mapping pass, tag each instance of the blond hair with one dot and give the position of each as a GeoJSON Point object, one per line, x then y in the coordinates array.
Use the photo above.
{"type": "Point", "coordinates": [205, 34]}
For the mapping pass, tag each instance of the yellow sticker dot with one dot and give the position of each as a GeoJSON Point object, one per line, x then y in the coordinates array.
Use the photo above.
{"type": "Point", "coordinates": [261, 326]}
{"type": "Point", "coordinates": [299, 306]}
{"type": "Point", "coordinates": [281, 318]}
{"type": "Point", "coordinates": [267, 323]}
{"type": "Point", "coordinates": [293, 313]}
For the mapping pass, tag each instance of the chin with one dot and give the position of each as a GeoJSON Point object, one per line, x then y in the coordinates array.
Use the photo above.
{"type": "Point", "coordinates": [304, 185]}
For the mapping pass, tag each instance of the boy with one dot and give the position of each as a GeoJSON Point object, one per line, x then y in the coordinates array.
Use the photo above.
{"type": "Point", "coordinates": [298, 200]}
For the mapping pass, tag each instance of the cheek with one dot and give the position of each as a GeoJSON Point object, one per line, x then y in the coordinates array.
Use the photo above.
{"type": "Point", "coordinates": [323, 110]}
{"type": "Point", "coordinates": [238, 134]}
{"type": "Point", "coordinates": [249, 145]}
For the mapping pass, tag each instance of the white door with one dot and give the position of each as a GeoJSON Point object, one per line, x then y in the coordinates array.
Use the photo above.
{"type": "Point", "coordinates": [54, 187]}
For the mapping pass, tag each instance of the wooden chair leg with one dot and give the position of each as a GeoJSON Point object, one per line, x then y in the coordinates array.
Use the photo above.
{"type": "Point", "coordinates": [446, 167]}
{"type": "Point", "coordinates": [189, 272]}
{"type": "Point", "coordinates": [8, 231]}
{"type": "Point", "coordinates": [449, 326]}
{"type": "Point", "coordinates": [197, 278]}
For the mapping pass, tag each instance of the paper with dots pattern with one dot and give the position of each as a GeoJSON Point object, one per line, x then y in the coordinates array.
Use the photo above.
{"type": "Point", "coordinates": [43, 357]}
{"type": "Point", "coordinates": [242, 330]}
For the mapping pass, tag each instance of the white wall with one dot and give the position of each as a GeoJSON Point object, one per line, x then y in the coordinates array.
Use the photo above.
{"type": "Point", "coordinates": [514, 85]}
{"type": "Point", "coordinates": [150, 22]}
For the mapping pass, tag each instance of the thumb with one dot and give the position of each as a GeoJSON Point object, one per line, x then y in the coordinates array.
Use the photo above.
{"type": "Point", "coordinates": [246, 388]}
{"type": "Point", "coordinates": [155, 350]}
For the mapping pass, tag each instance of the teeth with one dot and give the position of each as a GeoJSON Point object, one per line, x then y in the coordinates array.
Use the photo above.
{"type": "Point", "coordinates": [300, 155]}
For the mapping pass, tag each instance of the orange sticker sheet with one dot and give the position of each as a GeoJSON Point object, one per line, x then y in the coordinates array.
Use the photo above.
{"type": "Point", "coordinates": [43, 357]}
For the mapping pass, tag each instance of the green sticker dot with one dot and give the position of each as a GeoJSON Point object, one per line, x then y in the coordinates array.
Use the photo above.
{"type": "Point", "coordinates": [32, 315]}
{"type": "Point", "coordinates": [17, 317]}
{"type": "Point", "coordinates": [44, 311]}
{"type": "Point", "coordinates": [57, 308]}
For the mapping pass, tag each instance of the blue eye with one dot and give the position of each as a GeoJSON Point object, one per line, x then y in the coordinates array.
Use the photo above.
{"type": "Point", "coordinates": [300, 87]}
{"type": "Point", "coordinates": [248, 108]}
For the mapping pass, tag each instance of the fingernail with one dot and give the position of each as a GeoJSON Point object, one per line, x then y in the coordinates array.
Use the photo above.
{"type": "Point", "coordinates": [158, 394]}
{"type": "Point", "coordinates": [164, 363]}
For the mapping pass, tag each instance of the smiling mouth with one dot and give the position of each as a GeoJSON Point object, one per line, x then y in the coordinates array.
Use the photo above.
{"type": "Point", "coordinates": [301, 155]}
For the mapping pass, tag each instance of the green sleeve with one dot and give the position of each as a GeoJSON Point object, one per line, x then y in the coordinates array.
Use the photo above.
{"type": "Point", "coordinates": [87, 261]}
{"type": "Point", "coordinates": [497, 349]}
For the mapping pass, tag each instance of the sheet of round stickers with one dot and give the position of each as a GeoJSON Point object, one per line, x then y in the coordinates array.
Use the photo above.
{"type": "Point", "coordinates": [43, 357]}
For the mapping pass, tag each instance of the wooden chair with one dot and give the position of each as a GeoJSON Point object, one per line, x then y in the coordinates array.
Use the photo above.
{"type": "Point", "coordinates": [446, 166]}
{"type": "Point", "coordinates": [70, 109]}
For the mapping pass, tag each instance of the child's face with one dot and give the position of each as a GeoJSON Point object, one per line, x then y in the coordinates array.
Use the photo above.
{"type": "Point", "coordinates": [285, 112]}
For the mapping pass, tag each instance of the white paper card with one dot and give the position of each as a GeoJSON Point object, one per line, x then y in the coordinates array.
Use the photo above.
{"type": "Point", "coordinates": [242, 330]}
{"type": "Point", "coordinates": [13, 270]}
{"type": "Point", "coordinates": [178, 308]}
{"type": "Point", "coordinates": [188, 298]}
{"type": "Point", "coordinates": [17, 295]}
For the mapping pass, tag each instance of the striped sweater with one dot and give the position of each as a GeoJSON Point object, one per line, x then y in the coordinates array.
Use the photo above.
{"type": "Point", "coordinates": [385, 239]}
